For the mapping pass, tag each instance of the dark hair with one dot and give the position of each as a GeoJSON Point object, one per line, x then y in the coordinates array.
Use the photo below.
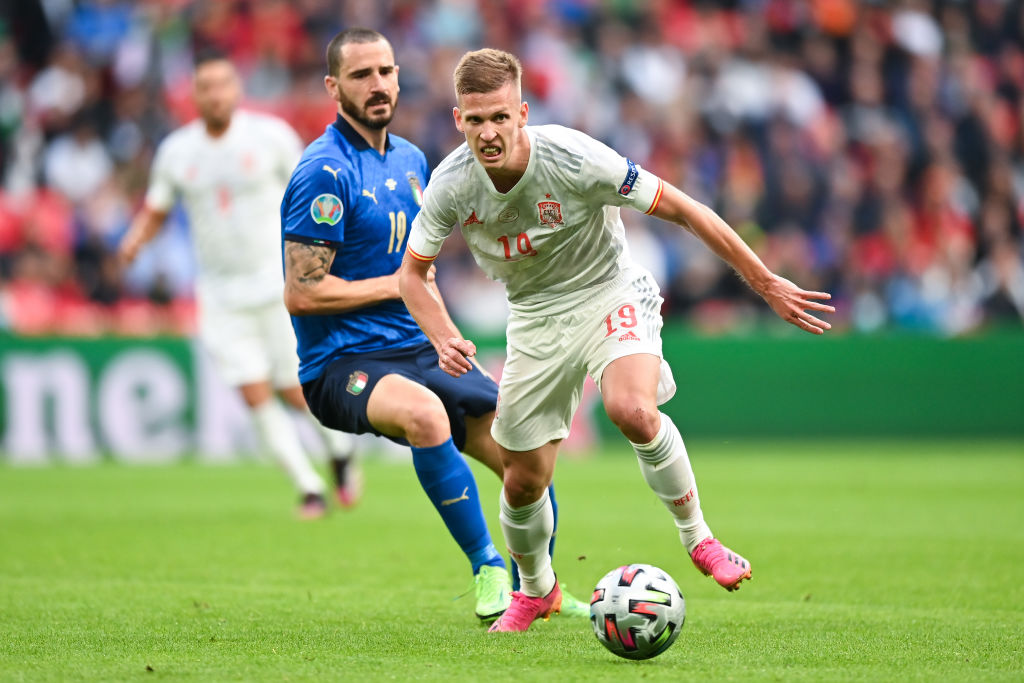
{"type": "Point", "coordinates": [209, 54]}
{"type": "Point", "coordinates": [349, 35]}
{"type": "Point", "coordinates": [486, 70]}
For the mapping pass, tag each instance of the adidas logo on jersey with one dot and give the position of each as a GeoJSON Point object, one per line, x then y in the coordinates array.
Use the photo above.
{"type": "Point", "coordinates": [629, 336]}
{"type": "Point", "coordinates": [472, 219]}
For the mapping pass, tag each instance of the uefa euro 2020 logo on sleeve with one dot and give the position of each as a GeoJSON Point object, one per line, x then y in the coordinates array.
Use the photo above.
{"type": "Point", "coordinates": [326, 208]}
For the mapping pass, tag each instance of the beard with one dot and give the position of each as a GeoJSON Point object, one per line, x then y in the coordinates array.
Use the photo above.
{"type": "Point", "coordinates": [360, 115]}
{"type": "Point", "coordinates": [216, 118]}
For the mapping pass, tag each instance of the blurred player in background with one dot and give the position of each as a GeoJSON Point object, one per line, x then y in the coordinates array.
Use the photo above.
{"type": "Point", "coordinates": [539, 208]}
{"type": "Point", "coordinates": [365, 364]}
{"type": "Point", "coordinates": [230, 168]}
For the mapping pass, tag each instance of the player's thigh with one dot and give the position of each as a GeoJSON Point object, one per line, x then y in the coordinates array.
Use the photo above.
{"type": "Point", "coordinates": [467, 398]}
{"type": "Point", "coordinates": [401, 407]}
{"type": "Point", "coordinates": [256, 393]}
{"type": "Point", "coordinates": [293, 397]}
{"type": "Point", "coordinates": [541, 384]}
{"type": "Point", "coordinates": [634, 376]}
{"type": "Point", "coordinates": [629, 393]}
{"type": "Point", "coordinates": [340, 396]}
{"type": "Point", "coordinates": [625, 323]}
{"type": "Point", "coordinates": [233, 338]}
{"type": "Point", "coordinates": [480, 445]}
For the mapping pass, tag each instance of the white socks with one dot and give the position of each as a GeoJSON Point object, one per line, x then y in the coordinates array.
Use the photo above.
{"type": "Point", "coordinates": [282, 439]}
{"type": "Point", "coordinates": [666, 468]}
{"type": "Point", "coordinates": [527, 532]}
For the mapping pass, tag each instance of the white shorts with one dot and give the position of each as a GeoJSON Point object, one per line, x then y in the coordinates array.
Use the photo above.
{"type": "Point", "coordinates": [549, 357]}
{"type": "Point", "coordinates": [252, 344]}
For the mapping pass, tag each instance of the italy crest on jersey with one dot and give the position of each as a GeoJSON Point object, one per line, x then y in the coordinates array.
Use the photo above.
{"type": "Point", "coordinates": [550, 213]}
{"type": "Point", "coordinates": [326, 208]}
{"type": "Point", "coordinates": [414, 185]}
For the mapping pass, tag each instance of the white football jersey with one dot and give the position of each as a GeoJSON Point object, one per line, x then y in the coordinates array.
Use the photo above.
{"type": "Point", "coordinates": [553, 235]}
{"type": "Point", "coordinates": [231, 187]}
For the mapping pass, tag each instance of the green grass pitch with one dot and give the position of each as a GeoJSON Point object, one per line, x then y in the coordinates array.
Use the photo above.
{"type": "Point", "coordinates": [896, 560]}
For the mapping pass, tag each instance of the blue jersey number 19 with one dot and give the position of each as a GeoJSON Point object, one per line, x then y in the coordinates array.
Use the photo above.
{"type": "Point", "coordinates": [397, 231]}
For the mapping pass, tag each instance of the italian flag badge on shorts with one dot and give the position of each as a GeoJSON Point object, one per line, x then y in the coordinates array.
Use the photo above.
{"type": "Point", "coordinates": [356, 382]}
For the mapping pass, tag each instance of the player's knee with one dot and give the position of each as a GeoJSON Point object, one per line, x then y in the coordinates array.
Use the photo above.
{"type": "Point", "coordinates": [638, 422]}
{"type": "Point", "coordinates": [426, 424]}
{"type": "Point", "coordinates": [524, 481]}
{"type": "Point", "coordinates": [523, 487]}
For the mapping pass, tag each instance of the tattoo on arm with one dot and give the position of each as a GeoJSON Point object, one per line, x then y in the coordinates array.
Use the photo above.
{"type": "Point", "coordinates": [306, 265]}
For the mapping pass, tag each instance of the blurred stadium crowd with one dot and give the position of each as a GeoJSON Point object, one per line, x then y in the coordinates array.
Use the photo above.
{"type": "Point", "coordinates": [871, 149]}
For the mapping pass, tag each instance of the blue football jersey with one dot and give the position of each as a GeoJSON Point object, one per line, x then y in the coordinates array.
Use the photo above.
{"type": "Point", "coordinates": [346, 195]}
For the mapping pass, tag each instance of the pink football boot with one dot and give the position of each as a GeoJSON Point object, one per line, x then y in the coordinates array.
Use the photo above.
{"type": "Point", "coordinates": [726, 566]}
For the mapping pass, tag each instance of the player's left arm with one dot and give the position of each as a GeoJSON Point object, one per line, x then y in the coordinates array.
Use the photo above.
{"type": "Point", "coordinates": [790, 302]}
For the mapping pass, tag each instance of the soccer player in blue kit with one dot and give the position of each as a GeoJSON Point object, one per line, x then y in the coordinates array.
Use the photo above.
{"type": "Point", "coordinates": [365, 366]}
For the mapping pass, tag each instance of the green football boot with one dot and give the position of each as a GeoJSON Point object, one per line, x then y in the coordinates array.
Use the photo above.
{"type": "Point", "coordinates": [573, 607]}
{"type": "Point", "coordinates": [493, 592]}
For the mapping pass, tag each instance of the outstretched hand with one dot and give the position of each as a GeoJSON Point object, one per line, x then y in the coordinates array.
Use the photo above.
{"type": "Point", "coordinates": [792, 303]}
{"type": "Point", "coordinates": [454, 356]}
{"type": "Point", "coordinates": [128, 249]}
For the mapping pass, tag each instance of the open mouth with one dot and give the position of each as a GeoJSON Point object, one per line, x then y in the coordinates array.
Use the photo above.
{"type": "Point", "coordinates": [490, 151]}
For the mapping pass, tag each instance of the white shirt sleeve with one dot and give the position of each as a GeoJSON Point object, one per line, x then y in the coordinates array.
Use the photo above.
{"type": "Point", "coordinates": [162, 192]}
{"type": "Point", "coordinates": [618, 180]}
{"type": "Point", "coordinates": [433, 224]}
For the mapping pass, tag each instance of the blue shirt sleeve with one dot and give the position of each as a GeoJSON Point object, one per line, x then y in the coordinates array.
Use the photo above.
{"type": "Point", "coordinates": [316, 203]}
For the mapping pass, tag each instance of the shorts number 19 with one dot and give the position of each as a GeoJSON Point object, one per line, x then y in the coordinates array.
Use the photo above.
{"type": "Point", "coordinates": [626, 318]}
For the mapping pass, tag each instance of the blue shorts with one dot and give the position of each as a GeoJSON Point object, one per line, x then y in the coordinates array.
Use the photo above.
{"type": "Point", "coordinates": [338, 397]}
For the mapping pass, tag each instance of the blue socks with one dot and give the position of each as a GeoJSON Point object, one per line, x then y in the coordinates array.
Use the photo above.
{"type": "Point", "coordinates": [551, 543]}
{"type": "Point", "coordinates": [449, 483]}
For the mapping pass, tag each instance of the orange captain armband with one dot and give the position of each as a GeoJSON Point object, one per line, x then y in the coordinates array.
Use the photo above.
{"type": "Point", "coordinates": [420, 257]}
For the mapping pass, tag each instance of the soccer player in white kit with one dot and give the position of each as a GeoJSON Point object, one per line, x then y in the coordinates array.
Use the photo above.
{"type": "Point", "coordinates": [230, 168]}
{"type": "Point", "coordinates": [539, 209]}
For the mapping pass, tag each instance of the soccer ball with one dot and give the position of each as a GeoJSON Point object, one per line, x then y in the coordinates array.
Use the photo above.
{"type": "Point", "coordinates": [637, 611]}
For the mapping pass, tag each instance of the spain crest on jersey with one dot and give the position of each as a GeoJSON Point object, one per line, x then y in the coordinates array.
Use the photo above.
{"type": "Point", "coordinates": [550, 213]}
{"type": "Point", "coordinates": [414, 185]}
{"type": "Point", "coordinates": [326, 208]}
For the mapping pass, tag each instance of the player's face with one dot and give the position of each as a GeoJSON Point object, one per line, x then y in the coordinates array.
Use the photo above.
{"type": "Point", "coordinates": [493, 124]}
{"type": "Point", "coordinates": [217, 90]}
{"type": "Point", "coordinates": [366, 87]}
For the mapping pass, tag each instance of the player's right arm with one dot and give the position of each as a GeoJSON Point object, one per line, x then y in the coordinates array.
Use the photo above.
{"type": "Point", "coordinates": [431, 227]}
{"type": "Point", "coordinates": [145, 226]}
{"type": "Point", "coordinates": [314, 215]}
{"type": "Point", "coordinates": [310, 289]}
{"type": "Point", "coordinates": [424, 303]}
{"type": "Point", "coordinates": [160, 197]}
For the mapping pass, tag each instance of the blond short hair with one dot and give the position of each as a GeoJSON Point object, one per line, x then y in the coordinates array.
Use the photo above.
{"type": "Point", "coordinates": [486, 70]}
